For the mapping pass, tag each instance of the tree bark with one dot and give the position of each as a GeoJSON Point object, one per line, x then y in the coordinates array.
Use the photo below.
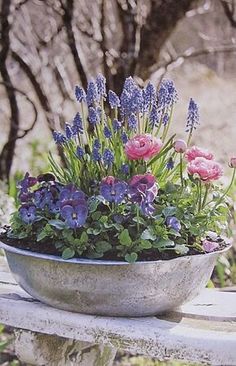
{"type": "Point", "coordinates": [160, 23]}
{"type": "Point", "coordinates": [7, 154]}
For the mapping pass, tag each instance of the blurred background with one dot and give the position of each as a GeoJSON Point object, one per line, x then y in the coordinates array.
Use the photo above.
{"type": "Point", "coordinates": [47, 47]}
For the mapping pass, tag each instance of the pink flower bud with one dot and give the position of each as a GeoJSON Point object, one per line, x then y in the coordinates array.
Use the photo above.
{"type": "Point", "coordinates": [209, 246]}
{"type": "Point", "coordinates": [232, 162]}
{"type": "Point", "coordinates": [180, 146]}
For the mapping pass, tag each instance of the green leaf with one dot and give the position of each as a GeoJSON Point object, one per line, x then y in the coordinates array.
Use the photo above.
{"type": "Point", "coordinates": [131, 258]}
{"type": "Point", "coordinates": [148, 234]}
{"type": "Point", "coordinates": [125, 238]}
{"type": "Point", "coordinates": [103, 246]}
{"type": "Point", "coordinates": [169, 211]}
{"type": "Point", "coordinates": [68, 253]}
{"type": "Point", "coordinates": [164, 243]}
{"type": "Point", "coordinates": [58, 224]}
{"type": "Point", "coordinates": [42, 235]}
{"type": "Point", "coordinates": [92, 231]}
{"type": "Point", "coordinates": [58, 244]}
{"type": "Point", "coordinates": [84, 237]}
{"type": "Point", "coordinates": [23, 235]}
{"type": "Point", "coordinates": [181, 249]}
{"type": "Point", "coordinates": [96, 215]}
{"type": "Point", "coordinates": [145, 244]}
{"type": "Point", "coordinates": [94, 255]}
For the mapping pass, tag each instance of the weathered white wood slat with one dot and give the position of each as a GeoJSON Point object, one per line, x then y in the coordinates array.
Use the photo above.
{"type": "Point", "coordinates": [203, 331]}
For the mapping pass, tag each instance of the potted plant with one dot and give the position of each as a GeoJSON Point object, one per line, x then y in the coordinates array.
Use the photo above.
{"type": "Point", "coordinates": [133, 222]}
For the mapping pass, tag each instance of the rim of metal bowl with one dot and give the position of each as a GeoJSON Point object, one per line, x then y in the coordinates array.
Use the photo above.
{"type": "Point", "coordinates": [28, 253]}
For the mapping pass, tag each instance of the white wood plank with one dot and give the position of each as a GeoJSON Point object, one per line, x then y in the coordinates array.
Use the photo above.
{"type": "Point", "coordinates": [150, 336]}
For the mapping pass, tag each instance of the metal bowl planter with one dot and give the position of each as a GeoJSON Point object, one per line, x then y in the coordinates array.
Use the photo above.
{"type": "Point", "coordinates": [108, 287]}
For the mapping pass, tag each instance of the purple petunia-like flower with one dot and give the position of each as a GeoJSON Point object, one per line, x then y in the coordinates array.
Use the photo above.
{"type": "Point", "coordinates": [75, 214]}
{"type": "Point", "coordinates": [27, 213]}
{"type": "Point", "coordinates": [173, 223]}
{"type": "Point", "coordinates": [113, 190]}
{"type": "Point", "coordinates": [80, 94]}
{"type": "Point", "coordinates": [113, 99]}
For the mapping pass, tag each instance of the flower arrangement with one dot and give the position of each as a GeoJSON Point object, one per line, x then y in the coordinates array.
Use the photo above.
{"type": "Point", "coordinates": [128, 190]}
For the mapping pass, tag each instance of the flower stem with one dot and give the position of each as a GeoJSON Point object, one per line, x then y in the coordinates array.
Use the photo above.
{"type": "Point", "coordinates": [200, 196]}
{"type": "Point", "coordinates": [205, 195]}
{"type": "Point", "coordinates": [138, 223]}
{"type": "Point", "coordinates": [181, 170]}
{"type": "Point", "coordinates": [226, 191]}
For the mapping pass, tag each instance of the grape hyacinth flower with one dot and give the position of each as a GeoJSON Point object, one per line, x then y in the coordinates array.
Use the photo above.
{"type": "Point", "coordinates": [93, 116]}
{"type": "Point", "coordinates": [149, 96]}
{"type": "Point", "coordinates": [101, 86]}
{"type": "Point", "coordinates": [27, 213]}
{"type": "Point", "coordinates": [132, 122]}
{"type": "Point", "coordinates": [68, 131]}
{"type": "Point", "coordinates": [113, 99]}
{"type": "Point", "coordinates": [167, 94]}
{"type": "Point", "coordinates": [77, 124]}
{"type": "Point", "coordinates": [124, 137]}
{"type": "Point", "coordinates": [136, 100]}
{"type": "Point", "coordinates": [113, 190]}
{"type": "Point", "coordinates": [173, 223]}
{"type": "Point", "coordinates": [80, 152]}
{"type": "Point", "coordinates": [80, 94]}
{"type": "Point", "coordinates": [96, 155]}
{"type": "Point", "coordinates": [116, 125]}
{"type": "Point", "coordinates": [59, 138]}
{"type": "Point", "coordinates": [108, 157]}
{"type": "Point", "coordinates": [97, 144]}
{"type": "Point", "coordinates": [193, 116]}
{"type": "Point", "coordinates": [125, 169]}
{"type": "Point", "coordinates": [107, 132]}
{"type": "Point", "coordinates": [170, 164]}
{"type": "Point", "coordinates": [165, 119]}
{"type": "Point", "coordinates": [154, 116]}
{"type": "Point", "coordinates": [92, 93]}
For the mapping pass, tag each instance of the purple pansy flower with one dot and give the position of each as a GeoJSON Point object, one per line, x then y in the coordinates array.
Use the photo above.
{"type": "Point", "coordinates": [27, 182]}
{"type": "Point", "coordinates": [70, 193]}
{"type": "Point", "coordinates": [209, 246]}
{"type": "Point", "coordinates": [141, 186]}
{"type": "Point", "coordinates": [113, 190]}
{"type": "Point", "coordinates": [173, 223]}
{"type": "Point", "coordinates": [28, 213]}
{"type": "Point", "coordinates": [75, 214]}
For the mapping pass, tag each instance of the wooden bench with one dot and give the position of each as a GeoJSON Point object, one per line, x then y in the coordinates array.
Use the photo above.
{"type": "Point", "coordinates": [203, 331]}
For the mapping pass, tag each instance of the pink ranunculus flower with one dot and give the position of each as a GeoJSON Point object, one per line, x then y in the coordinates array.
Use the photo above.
{"type": "Point", "coordinates": [209, 246]}
{"type": "Point", "coordinates": [207, 170]}
{"type": "Point", "coordinates": [142, 147]}
{"type": "Point", "coordinates": [196, 152]}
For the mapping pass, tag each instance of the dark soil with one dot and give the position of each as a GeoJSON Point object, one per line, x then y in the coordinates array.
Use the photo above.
{"type": "Point", "coordinates": [48, 247]}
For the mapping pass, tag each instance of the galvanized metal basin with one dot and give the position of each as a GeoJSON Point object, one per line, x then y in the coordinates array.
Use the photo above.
{"type": "Point", "coordinates": [110, 288]}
